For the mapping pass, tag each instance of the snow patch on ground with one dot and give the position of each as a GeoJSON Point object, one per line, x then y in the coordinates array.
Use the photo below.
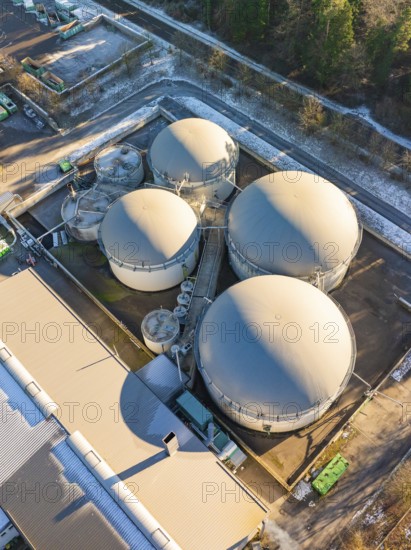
{"type": "Point", "coordinates": [366, 505]}
{"type": "Point", "coordinates": [375, 516]}
{"type": "Point", "coordinates": [302, 490]}
{"type": "Point", "coordinates": [124, 127]}
{"type": "Point", "coordinates": [398, 237]}
{"type": "Point", "coordinates": [272, 533]}
{"type": "Point", "coordinates": [365, 113]}
{"type": "Point", "coordinates": [403, 369]}
{"type": "Point", "coordinates": [367, 176]}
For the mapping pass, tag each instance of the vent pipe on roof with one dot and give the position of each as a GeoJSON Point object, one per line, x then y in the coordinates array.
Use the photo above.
{"type": "Point", "coordinates": [170, 442]}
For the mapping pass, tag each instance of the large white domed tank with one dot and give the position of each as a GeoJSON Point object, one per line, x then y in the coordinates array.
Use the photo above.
{"type": "Point", "coordinates": [196, 158]}
{"type": "Point", "coordinates": [160, 329]}
{"type": "Point", "coordinates": [151, 239]}
{"type": "Point", "coordinates": [83, 213]}
{"type": "Point", "coordinates": [119, 164]}
{"type": "Point", "coordinates": [275, 353]}
{"type": "Point", "coordinates": [295, 224]}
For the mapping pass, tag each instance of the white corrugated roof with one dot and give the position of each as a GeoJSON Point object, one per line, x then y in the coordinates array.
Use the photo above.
{"type": "Point", "coordinates": [275, 339]}
{"type": "Point", "coordinates": [47, 491]}
{"type": "Point", "coordinates": [289, 223]}
{"type": "Point", "coordinates": [183, 492]}
{"type": "Point", "coordinates": [148, 227]}
{"type": "Point", "coordinates": [193, 146]}
{"type": "Point", "coordinates": [161, 376]}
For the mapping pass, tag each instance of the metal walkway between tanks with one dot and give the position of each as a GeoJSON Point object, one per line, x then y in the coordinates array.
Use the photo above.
{"type": "Point", "coordinates": [206, 282]}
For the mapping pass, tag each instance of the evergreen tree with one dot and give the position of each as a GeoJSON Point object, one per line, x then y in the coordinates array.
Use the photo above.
{"type": "Point", "coordinates": [386, 42]}
{"type": "Point", "coordinates": [402, 33]}
{"type": "Point", "coordinates": [331, 37]}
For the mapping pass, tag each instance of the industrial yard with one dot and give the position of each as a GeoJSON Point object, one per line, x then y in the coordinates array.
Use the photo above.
{"type": "Point", "coordinates": [357, 293]}
{"type": "Point", "coordinates": [87, 53]}
{"type": "Point", "coordinates": [98, 45]}
{"type": "Point", "coordinates": [222, 315]}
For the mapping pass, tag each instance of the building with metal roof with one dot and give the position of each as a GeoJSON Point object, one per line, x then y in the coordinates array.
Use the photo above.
{"type": "Point", "coordinates": [46, 490]}
{"type": "Point", "coordinates": [118, 428]}
{"type": "Point", "coordinates": [151, 239]}
{"type": "Point", "coordinates": [295, 224]}
{"type": "Point", "coordinates": [195, 157]}
{"type": "Point", "coordinates": [275, 352]}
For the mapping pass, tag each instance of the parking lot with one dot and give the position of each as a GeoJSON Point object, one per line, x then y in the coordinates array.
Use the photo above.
{"type": "Point", "coordinates": [22, 130]}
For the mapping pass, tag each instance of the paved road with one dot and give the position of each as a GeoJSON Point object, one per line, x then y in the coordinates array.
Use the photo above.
{"type": "Point", "coordinates": [60, 146]}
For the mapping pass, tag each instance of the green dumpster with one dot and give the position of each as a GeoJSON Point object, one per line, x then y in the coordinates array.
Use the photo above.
{"type": "Point", "coordinates": [3, 113]}
{"type": "Point", "coordinates": [330, 475]}
{"type": "Point", "coordinates": [65, 166]}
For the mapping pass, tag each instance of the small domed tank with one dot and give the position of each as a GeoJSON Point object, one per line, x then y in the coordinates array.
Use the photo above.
{"type": "Point", "coordinates": [83, 213]}
{"type": "Point", "coordinates": [119, 164]}
{"type": "Point", "coordinates": [160, 330]}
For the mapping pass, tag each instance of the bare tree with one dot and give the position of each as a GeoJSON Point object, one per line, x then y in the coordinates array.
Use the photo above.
{"type": "Point", "coordinates": [311, 116]}
{"type": "Point", "coordinates": [11, 68]}
{"type": "Point", "coordinates": [374, 144]}
{"type": "Point", "coordinates": [218, 60]}
{"type": "Point", "coordinates": [376, 12]}
{"type": "Point", "coordinates": [406, 164]}
{"type": "Point", "coordinates": [245, 74]}
{"type": "Point", "coordinates": [389, 154]}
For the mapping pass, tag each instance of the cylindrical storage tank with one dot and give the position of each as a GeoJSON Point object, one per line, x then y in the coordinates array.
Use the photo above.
{"type": "Point", "coordinates": [151, 239]}
{"type": "Point", "coordinates": [295, 224]}
{"type": "Point", "coordinates": [196, 158]}
{"type": "Point", "coordinates": [83, 213]}
{"type": "Point", "coordinates": [187, 287]}
{"type": "Point", "coordinates": [119, 164]}
{"type": "Point", "coordinates": [160, 330]}
{"type": "Point", "coordinates": [181, 313]}
{"type": "Point", "coordinates": [275, 352]}
{"type": "Point", "coordinates": [183, 299]}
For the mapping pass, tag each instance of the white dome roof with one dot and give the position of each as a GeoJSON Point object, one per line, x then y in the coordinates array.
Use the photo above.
{"type": "Point", "coordinates": [275, 339]}
{"type": "Point", "coordinates": [289, 223]}
{"type": "Point", "coordinates": [148, 227]}
{"type": "Point", "coordinates": [193, 146]}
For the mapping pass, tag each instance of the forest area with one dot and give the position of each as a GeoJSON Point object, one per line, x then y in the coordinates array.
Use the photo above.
{"type": "Point", "coordinates": [355, 51]}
